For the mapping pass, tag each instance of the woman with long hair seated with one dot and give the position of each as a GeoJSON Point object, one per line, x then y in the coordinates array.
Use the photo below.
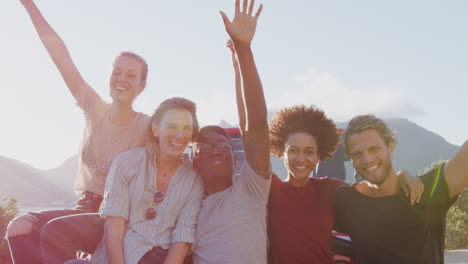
{"type": "Point", "coordinates": [153, 195]}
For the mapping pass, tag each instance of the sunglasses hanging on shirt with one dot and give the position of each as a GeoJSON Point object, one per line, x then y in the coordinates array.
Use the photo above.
{"type": "Point", "coordinates": [151, 212]}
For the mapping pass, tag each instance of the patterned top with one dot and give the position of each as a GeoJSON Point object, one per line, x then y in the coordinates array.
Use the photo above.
{"type": "Point", "coordinates": [129, 193]}
{"type": "Point", "coordinates": [102, 141]}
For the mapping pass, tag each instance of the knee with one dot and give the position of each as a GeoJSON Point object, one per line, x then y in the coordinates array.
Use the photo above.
{"type": "Point", "coordinates": [49, 230]}
{"type": "Point", "coordinates": [54, 231]}
{"type": "Point", "coordinates": [22, 225]}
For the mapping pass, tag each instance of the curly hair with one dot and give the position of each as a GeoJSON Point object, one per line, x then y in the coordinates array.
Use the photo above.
{"type": "Point", "coordinates": [308, 119]}
{"type": "Point", "coordinates": [365, 122]}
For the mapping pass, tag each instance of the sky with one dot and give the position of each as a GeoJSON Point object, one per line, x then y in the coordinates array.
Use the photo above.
{"type": "Point", "coordinates": [395, 58]}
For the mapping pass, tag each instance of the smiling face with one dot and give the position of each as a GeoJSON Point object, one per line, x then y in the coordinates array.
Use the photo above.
{"type": "Point", "coordinates": [174, 132]}
{"type": "Point", "coordinates": [300, 157]}
{"type": "Point", "coordinates": [370, 155]}
{"type": "Point", "coordinates": [214, 161]}
{"type": "Point", "coordinates": [126, 79]}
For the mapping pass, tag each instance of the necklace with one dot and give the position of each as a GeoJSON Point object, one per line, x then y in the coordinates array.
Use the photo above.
{"type": "Point", "coordinates": [166, 172]}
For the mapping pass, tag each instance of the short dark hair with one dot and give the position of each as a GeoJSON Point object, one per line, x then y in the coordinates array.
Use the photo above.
{"type": "Point", "coordinates": [207, 129]}
{"type": "Point", "coordinates": [361, 123]}
{"type": "Point", "coordinates": [308, 119]}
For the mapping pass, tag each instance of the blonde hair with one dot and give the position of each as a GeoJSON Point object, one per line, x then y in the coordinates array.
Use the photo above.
{"type": "Point", "coordinates": [166, 105]}
{"type": "Point", "coordinates": [365, 122]}
{"type": "Point", "coordinates": [144, 65]}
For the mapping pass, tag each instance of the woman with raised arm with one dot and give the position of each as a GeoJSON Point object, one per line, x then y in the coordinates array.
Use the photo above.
{"type": "Point", "coordinates": [111, 128]}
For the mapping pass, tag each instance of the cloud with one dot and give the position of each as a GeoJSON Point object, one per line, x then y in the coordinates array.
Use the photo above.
{"type": "Point", "coordinates": [322, 89]}
{"type": "Point", "coordinates": [340, 102]}
{"type": "Point", "coordinates": [214, 107]}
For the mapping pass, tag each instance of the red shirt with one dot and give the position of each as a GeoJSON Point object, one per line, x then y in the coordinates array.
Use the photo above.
{"type": "Point", "coordinates": [301, 221]}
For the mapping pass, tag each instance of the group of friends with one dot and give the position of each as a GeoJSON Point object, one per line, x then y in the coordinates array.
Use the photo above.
{"type": "Point", "coordinates": [144, 202]}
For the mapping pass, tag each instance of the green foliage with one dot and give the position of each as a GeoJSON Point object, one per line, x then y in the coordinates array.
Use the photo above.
{"type": "Point", "coordinates": [457, 223]}
{"type": "Point", "coordinates": [8, 211]}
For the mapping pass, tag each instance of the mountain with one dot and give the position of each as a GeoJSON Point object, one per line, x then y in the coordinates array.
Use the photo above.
{"type": "Point", "coordinates": [225, 124]}
{"type": "Point", "coordinates": [63, 175]}
{"type": "Point", "coordinates": [30, 187]}
{"type": "Point", "coordinates": [416, 150]}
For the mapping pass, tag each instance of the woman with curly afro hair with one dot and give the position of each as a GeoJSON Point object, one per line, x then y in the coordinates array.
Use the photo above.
{"type": "Point", "coordinates": [301, 208]}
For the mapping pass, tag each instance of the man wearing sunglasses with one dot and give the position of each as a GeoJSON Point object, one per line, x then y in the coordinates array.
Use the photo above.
{"type": "Point", "coordinates": [231, 224]}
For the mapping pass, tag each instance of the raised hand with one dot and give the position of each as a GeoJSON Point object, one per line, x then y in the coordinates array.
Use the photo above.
{"type": "Point", "coordinates": [242, 28]}
{"type": "Point", "coordinates": [251, 104]}
{"type": "Point", "coordinates": [230, 46]}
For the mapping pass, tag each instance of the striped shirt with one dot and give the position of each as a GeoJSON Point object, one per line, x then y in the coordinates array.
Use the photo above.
{"type": "Point", "coordinates": [129, 191]}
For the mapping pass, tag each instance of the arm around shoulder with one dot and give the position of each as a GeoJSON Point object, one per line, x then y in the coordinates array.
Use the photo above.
{"type": "Point", "coordinates": [456, 171]}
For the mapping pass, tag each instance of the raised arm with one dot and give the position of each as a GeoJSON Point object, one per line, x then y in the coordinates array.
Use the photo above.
{"type": "Point", "coordinates": [456, 171]}
{"type": "Point", "coordinates": [57, 51]}
{"type": "Point", "coordinates": [256, 143]}
{"type": "Point", "coordinates": [238, 84]}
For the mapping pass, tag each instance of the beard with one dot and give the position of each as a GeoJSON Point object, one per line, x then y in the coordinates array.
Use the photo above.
{"type": "Point", "coordinates": [379, 179]}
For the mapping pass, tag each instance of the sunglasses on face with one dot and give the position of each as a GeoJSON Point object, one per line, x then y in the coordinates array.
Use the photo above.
{"type": "Point", "coordinates": [210, 147]}
{"type": "Point", "coordinates": [158, 198]}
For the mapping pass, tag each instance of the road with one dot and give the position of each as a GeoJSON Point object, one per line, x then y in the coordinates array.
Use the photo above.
{"type": "Point", "coordinates": [456, 256]}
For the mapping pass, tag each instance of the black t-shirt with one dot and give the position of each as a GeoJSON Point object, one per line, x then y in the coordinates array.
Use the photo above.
{"type": "Point", "coordinates": [389, 230]}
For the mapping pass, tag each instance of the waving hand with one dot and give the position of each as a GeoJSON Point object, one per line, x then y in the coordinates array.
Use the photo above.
{"type": "Point", "coordinates": [250, 99]}
{"type": "Point", "coordinates": [242, 28]}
